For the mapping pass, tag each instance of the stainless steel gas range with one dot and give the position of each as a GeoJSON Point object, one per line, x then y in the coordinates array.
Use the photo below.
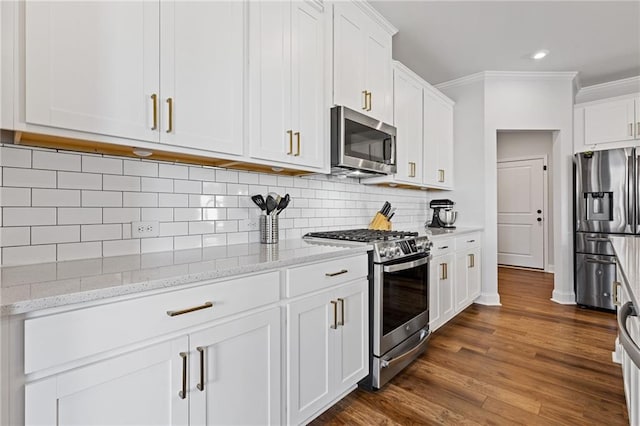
{"type": "Point", "coordinates": [398, 297]}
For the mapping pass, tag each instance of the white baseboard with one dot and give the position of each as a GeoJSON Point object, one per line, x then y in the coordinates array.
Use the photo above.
{"type": "Point", "coordinates": [563, 298]}
{"type": "Point", "coordinates": [488, 299]}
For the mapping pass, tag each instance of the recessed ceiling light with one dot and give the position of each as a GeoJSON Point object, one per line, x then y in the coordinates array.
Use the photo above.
{"type": "Point", "coordinates": [540, 54]}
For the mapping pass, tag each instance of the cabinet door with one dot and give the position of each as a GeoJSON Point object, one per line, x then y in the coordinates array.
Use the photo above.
{"type": "Point", "coordinates": [436, 274]}
{"type": "Point", "coordinates": [141, 388]}
{"type": "Point", "coordinates": [310, 349]}
{"type": "Point", "coordinates": [609, 122]}
{"type": "Point", "coordinates": [203, 63]}
{"type": "Point", "coordinates": [307, 94]}
{"type": "Point", "coordinates": [407, 106]}
{"type": "Point", "coordinates": [92, 66]}
{"type": "Point", "coordinates": [461, 291]}
{"type": "Point", "coordinates": [352, 346]}
{"type": "Point", "coordinates": [438, 142]}
{"type": "Point", "coordinates": [474, 273]}
{"type": "Point", "coordinates": [637, 109]}
{"type": "Point", "coordinates": [235, 372]}
{"type": "Point", "coordinates": [270, 125]}
{"type": "Point", "coordinates": [349, 57]}
{"type": "Point", "coordinates": [378, 73]}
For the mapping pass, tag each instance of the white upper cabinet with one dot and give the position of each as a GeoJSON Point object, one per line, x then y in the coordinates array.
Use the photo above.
{"type": "Point", "coordinates": [166, 71]}
{"type": "Point", "coordinates": [362, 68]}
{"type": "Point", "coordinates": [407, 112]}
{"type": "Point", "coordinates": [607, 123]}
{"type": "Point", "coordinates": [438, 140]}
{"type": "Point", "coordinates": [287, 108]}
{"type": "Point", "coordinates": [202, 73]}
{"type": "Point", "coordinates": [92, 66]}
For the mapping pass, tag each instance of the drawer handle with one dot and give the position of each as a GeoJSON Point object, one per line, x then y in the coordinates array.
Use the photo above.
{"type": "Point", "coordinates": [183, 393]}
{"type": "Point", "coordinates": [186, 311]}
{"type": "Point", "coordinates": [597, 240]}
{"type": "Point", "coordinates": [443, 247]}
{"type": "Point", "coordinates": [333, 274]}
{"type": "Point", "coordinates": [471, 241]}
{"type": "Point", "coordinates": [603, 262]}
{"type": "Point", "coordinates": [341, 322]}
{"type": "Point", "coordinates": [200, 385]}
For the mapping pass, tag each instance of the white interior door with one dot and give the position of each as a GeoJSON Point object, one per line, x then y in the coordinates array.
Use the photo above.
{"type": "Point", "coordinates": [520, 213]}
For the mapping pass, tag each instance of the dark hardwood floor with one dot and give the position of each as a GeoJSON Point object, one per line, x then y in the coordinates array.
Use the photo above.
{"type": "Point", "coordinates": [530, 361]}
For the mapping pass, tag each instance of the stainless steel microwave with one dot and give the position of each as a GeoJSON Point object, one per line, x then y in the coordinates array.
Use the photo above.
{"type": "Point", "coordinates": [361, 145]}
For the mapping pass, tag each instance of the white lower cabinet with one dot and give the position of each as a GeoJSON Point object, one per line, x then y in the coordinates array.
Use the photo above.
{"type": "Point", "coordinates": [441, 290]}
{"type": "Point", "coordinates": [327, 345]}
{"type": "Point", "coordinates": [467, 278]}
{"type": "Point", "coordinates": [140, 387]}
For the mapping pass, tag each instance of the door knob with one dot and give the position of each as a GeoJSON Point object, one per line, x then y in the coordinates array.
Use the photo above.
{"type": "Point", "coordinates": [539, 211]}
{"type": "Point", "coordinates": [539, 219]}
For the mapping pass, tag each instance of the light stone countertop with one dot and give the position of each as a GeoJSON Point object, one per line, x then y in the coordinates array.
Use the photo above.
{"type": "Point", "coordinates": [49, 285]}
{"type": "Point", "coordinates": [627, 249]}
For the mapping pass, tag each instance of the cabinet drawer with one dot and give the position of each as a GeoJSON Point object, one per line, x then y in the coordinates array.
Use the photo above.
{"type": "Point", "coordinates": [60, 338]}
{"type": "Point", "coordinates": [442, 247]}
{"type": "Point", "coordinates": [308, 278]}
{"type": "Point", "coordinates": [468, 241]}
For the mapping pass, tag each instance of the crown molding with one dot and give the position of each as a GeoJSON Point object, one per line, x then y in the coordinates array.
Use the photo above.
{"type": "Point", "coordinates": [376, 16]}
{"type": "Point", "coordinates": [462, 81]}
{"type": "Point", "coordinates": [537, 75]}
{"type": "Point", "coordinates": [610, 89]}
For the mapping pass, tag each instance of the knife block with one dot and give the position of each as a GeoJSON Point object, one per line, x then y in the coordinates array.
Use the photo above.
{"type": "Point", "coordinates": [380, 223]}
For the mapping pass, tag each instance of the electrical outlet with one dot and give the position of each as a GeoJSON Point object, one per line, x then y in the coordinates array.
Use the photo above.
{"type": "Point", "coordinates": [253, 224]}
{"type": "Point", "coordinates": [144, 229]}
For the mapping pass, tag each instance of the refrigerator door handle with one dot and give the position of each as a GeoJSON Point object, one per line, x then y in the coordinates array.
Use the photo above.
{"type": "Point", "coordinates": [630, 192]}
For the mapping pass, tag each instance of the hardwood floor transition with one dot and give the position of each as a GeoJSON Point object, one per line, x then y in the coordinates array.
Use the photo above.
{"type": "Point", "coordinates": [530, 361]}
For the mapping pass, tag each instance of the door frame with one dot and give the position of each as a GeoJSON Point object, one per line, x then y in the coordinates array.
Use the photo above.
{"type": "Point", "coordinates": [545, 203]}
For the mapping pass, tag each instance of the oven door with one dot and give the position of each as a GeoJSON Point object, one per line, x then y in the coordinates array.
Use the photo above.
{"type": "Point", "coordinates": [401, 301]}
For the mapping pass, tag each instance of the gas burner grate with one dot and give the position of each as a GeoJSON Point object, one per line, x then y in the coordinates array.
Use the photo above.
{"type": "Point", "coordinates": [362, 235]}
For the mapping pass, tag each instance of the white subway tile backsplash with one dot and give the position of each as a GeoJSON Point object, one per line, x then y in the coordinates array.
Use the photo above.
{"type": "Point", "coordinates": [157, 185]}
{"type": "Point", "coordinates": [15, 157]}
{"type": "Point", "coordinates": [140, 168]}
{"type": "Point", "coordinates": [28, 178]}
{"type": "Point", "coordinates": [152, 245]}
{"type": "Point", "coordinates": [139, 199]}
{"type": "Point", "coordinates": [187, 214]}
{"type": "Point", "coordinates": [173, 171]}
{"type": "Point", "coordinates": [101, 232]}
{"type": "Point", "coordinates": [268, 180]}
{"type": "Point", "coordinates": [74, 251]}
{"type": "Point", "coordinates": [55, 197]}
{"type": "Point", "coordinates": [79, 216]}
{"type": "Point", "coordinates": [157, 214]}
{"type": "Point", "coordinates": [15, 197]}
{"type": "Point", "coordinates": [173, 228]}
{"type": "Point", "coordinates": [246, 177]}
{"type": "Point", "coordinates": [238, 238]}
{"type": "Point", "coordinates": [187, 242]}
{"type": "Point", "coordinates": [237, 213]}
{"type": "Point", "coordinates": [187, 186]}
{"type": "Point", "coordinates": [55, 234]}
{"type": "Point", "coordinates": [101, 199]}
{"type": "Point", "coordinates": [27, 216]}
{"type": "Point", "coordinates": [214, 188]}
{"type": "Point", "coordinates": [71, 180]}
{"type": "Point", "coordinates": [202, 173]}
{"type": "Point", "coordinates": [120, 247]}
{"type": "Point", "coordinates": [202, 227]}
{"type": "Point", "coordinates": [25, 255]}
{"type": "Point", "coordinates": [226, 226]}
{"type": "Point", "coordinates": [202, 200]}
{"type": "Point", "coordinates": [120, 183]}
{"type": "Point", "coordinates": [56, 161]}
{"type": "Point", "coordinates": [226, 201]}
{"type": "Point", "coordinates": [94, 164]}
{"type": "Point", "coordinates": [173, 200]}
{"type": "Point", "coordinates": [214, 214]}
{"type": "Point", "coordinates": [120, 215]}
{"type": "Point", "coordinates": [237, 189]}
{"type": "Point", "coordinates": [15, 236]}
{"type": "Point", "coordinates": [227, 176]}
{"type": "Point", "coordinates": [213, 240]}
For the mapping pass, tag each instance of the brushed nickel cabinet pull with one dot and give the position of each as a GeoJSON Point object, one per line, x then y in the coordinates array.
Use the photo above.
{"type": "Point", "coordinates": [370, 96]}
{"type": "Point", "coordinates": [443, 271]}
{"type": "Point", "coordinates": [183, 393]}
{"type": "Point", "coordinates": [333, 274]}
{"type": "Point", "coordinates": [298, 139]}
{"type": "Point", "coordinates": [335, 314]}
{"type": "Point", "coordinates": [440, 175]}
{"type": "Point", "coordinates": [472, 261]}
{"type": "Point", "coordinates": [154, 99]}
{"type": "Point", "coordinates": [341, 311]}
{"type": "Point", "coordinates": [200, 385]}
{"type": "Point", "coordinates": [170, 103]}
{"type": "Point", "coordinates": [290, 133]}
{"type": "Point", "coordinates": [193, 309]}
{"type": "Point", "coordinates": [630, 129]}
{"type": "Point", "coordinates": [616, 293]}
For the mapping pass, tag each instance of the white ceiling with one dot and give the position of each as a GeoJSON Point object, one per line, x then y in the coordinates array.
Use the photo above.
{"type": "Point", "coordinates": [445, 40]}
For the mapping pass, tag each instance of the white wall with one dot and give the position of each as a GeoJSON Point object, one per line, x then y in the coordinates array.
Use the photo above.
{"type": "Point", "coordinates": [530, 144]}
{"type": "Point", "coordinates": [516, 101]}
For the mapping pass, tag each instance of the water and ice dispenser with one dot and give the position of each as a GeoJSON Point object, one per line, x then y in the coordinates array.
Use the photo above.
{"type": "Point", "coordinates": [598, 206]}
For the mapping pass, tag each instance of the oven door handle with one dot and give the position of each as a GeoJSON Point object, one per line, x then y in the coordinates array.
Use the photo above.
{"type": "Point", "coordinates": [424, 336]}
{"type": "Point", "coordinates": [407, 265]}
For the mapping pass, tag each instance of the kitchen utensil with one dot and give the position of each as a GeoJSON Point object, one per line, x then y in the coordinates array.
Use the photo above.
{"type": "Point", "coordinates": [284, 202]}
{"type": "Point", "coordinates": [259, 201]}
{"type": "Point", "coordinates": [271, 204]}
{"type": "Point", "coordinates": [385, 208]}
{"type": "Point", "coordinates": [268, 229]}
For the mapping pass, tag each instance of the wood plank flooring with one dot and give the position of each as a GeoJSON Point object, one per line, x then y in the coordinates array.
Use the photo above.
{"type": "Point", "coordinates": [530, 361]}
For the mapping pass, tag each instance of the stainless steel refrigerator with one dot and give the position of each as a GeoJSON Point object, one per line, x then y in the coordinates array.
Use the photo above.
{"type": "Point", "coordinates": [606, 202]}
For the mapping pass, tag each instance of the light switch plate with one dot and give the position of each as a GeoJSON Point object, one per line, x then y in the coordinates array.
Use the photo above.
{"type": "Point", "coordinates": [144, 229]}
